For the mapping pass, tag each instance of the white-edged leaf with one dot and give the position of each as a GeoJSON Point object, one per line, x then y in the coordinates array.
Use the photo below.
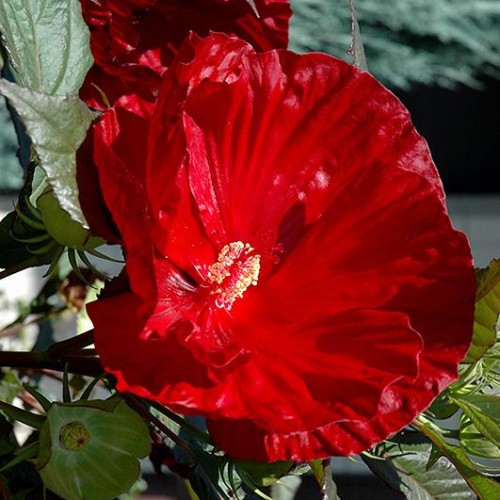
{"type": "Point", "coordinates": [484, 486]}
{"type": "Point", "coordinates": [406, 469]}
{"type": "Point", "coordinates": [57, 126]}
{"type": "Point", "coordinates": [48, 43]}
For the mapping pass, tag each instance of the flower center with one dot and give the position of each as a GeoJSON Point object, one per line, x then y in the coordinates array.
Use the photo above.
{"type": "Point", "coordinates": [74, 436]}
{"type": "Point", "coordinates": [235, 270]}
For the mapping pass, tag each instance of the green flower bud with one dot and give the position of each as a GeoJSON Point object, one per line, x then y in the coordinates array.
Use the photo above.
{"type": "Point", "coordinates": [59, 224]}
{"type": "Point", "coordinates": [90, 449]}
{"type": "Point", "coordinates": [74, 436]}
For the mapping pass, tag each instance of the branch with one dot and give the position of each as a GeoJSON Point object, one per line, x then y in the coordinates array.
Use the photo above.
{"type": "Point", "coordinates": [80, 364]}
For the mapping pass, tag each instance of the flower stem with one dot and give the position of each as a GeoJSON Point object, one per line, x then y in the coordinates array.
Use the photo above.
{"type": "Point", "coordinates": [421, 421]}
{"type": "Point", "coordinates": [72, 344]}
{"type": "Point", "coordinates": [143, 411]}
{"type": "Point", "coordinates": [83, 365]}
{"type": "Point", "coordinates": [181, 421]}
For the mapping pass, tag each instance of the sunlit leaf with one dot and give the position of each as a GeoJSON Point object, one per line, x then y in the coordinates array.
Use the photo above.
{"type": "Point", "coordinates": [48, 43]}
{"type": "Point", "coordinates": [484, 412]}
{"type": "Point", "coordinates": [57, 126]}
{"type": "Point", "coordinates": [475, 443]}
{"type": "Point", "coordinates": [487, 311]}
{"type": "Point", "coordinates": [318, 471]}
{"type": "Point", "coordinates": [483, 486]}
{"type": "Point", "coordinates": [405, 468]}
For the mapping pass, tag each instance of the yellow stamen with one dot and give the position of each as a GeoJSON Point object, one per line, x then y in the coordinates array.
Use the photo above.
{"type": "Point", "coordinates": [235, 270]}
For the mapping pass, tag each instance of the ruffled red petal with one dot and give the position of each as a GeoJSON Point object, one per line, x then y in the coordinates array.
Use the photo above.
{"type": "Point", "coordinates": [364, 302]}
{"type": "Point", "coordinates": [119, 139]}
{"type": "Point", "coordinates": [133, 42]}
{"type": "Point", "coordinates": [128, 134]}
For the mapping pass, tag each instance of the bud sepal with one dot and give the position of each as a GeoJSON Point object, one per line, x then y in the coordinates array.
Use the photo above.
{"type": "Point", "coordinates": [90, 449]}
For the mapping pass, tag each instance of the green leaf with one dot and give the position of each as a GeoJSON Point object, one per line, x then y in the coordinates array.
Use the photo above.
{"type": "Point", "coordinates": [213, 476]}
{"type": "Point", "coordinates": [405, 469]}
{"type": "Point", "coordinates": [487, 311]}
{"type": "Point", "coordinates": [10, 386]}
{"type": "Point", "coordinates": [42, 400]}
{"type": "Point", "coordinates": [483, 486]}
{"type": "Point", "coordinates": [442, 407]}
{"type": "Point", "coordinates": [39, 183]}
{"type": "Point", "coordinates": [61, 227]}
{"type": "Point", "coordinates": [7, 439]}
{"type": "Point", "coordinates": [484, 412]}
{"type": "Point", "coordinates": [322, 472]}
{"type": "Point", "coordinates": [475, 443]}
{"type": "Point", "coordinates": [318, 471]}
{"type": "Point", "coordinates": [27, 452]}
{"type": "Point", "coordinates": [24, 416]}
{"type": "Point", "coordinates": [57, 126]}
{"type": "Point", "coordinates": [263, 474]}
{"type": "Point", "coordinates": [15, 254]}
{"type": "Point", "coordinates": [48, 43]}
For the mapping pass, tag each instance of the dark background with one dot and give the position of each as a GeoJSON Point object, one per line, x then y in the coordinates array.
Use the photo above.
{"type": "Point", "coordinates": [462, 127]}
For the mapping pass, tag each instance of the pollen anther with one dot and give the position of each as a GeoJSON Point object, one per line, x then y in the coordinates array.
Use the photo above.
{"type": "Point", "coordinates": [235, 270]}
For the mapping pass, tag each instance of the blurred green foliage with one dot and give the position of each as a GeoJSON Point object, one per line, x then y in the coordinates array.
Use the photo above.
{"type": "Point", "coordinates": [430, 42]}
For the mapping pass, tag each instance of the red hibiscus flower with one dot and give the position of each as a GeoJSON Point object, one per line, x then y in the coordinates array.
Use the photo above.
{"type": "Point", "coordinates": [134, 41]}
{"type": "Point", "coordinates": [294, 275]}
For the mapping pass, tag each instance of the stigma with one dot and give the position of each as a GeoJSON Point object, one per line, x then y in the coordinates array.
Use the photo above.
{"type": "Point", "coordinates": [236, 269]}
